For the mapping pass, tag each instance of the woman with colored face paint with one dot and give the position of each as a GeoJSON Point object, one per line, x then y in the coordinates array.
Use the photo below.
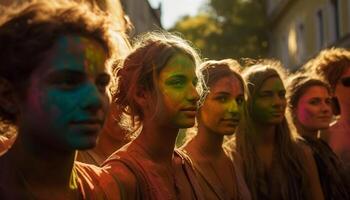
{"type": "Point", "coordinates": [309, 105]}
{"type": "Point", "coordinates": [275, 165]}
{"type": "Point", "coordinates": [54, 80]}
{"type": "Point", "coordinates": [218, 116]}
{"type": "Point", "coordinates": [113, 135]}
{"type": "Point", "coordinates": [334, 65]}
{"type": "Point", "coordinates": [157, 89]}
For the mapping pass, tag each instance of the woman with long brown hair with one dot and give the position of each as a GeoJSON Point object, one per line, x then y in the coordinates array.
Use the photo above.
{"type": "Point", "coordinates": [219, 115]}
{"type": "Point", "coordinates": [275, 165]}
{"type": "Point", "coordinates": [157, 90]}
{"type": "Point", "coordinates": [309, 106]}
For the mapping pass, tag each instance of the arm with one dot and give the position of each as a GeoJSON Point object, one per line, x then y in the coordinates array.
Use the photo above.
{"type": "Point", "coordinates": [312, 173]}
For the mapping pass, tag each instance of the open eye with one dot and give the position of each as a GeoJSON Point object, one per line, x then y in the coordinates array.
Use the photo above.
{"type": "Point", "coordinates": [328, 101]}
{"type": "Point", "coordinates": [240, 100]}
{"type": "Point", "coordinates": [103, 80]}
{"type": "Point", "coordinates": [266, 94]}
{"type": "Point", "coordinates": [314, 101]}
{"type": "Point", "coordinates": [176, 81]}
{"type": "Point", "coordinates": [66, 80]}
{"type": "Point", "coordinates": [282, 94]}
{"type": "Point", "coordinates": [222, 98]}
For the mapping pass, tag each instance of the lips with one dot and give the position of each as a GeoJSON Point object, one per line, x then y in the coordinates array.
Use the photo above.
{"type": "Point", "coordinates": [189, 111]}
{"type": "Point", "coordinates": [88, 125]}
{"type": "Point", "coordinates": [231, 121]}
{"type": "Point", "coordinates": [277, 114]}
{"type": "Point", "coordinates": [324, 117]}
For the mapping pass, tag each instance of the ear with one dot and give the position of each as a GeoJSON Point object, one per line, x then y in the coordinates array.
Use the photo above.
{"type": "Point", "coordinates": [8, 98]}
{"type": "Point", "coordinates": [142, 97]}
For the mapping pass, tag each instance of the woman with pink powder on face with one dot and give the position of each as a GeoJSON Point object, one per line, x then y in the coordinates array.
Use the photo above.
{"type": "Point", "coordinates": [309, 106]}
{"type": "Point", "coordinates": [334, 66]}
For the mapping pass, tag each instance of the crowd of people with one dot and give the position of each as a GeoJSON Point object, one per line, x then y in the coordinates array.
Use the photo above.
{"type": "Point", "coordinates": [85, 113]}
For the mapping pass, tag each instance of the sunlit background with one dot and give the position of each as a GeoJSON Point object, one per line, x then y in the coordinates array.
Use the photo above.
{"type": "Point", "coordinates": [292, 31]}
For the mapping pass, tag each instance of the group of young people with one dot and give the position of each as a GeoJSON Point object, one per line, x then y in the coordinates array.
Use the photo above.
{"type": "Point", "coordinates": [86, 115]}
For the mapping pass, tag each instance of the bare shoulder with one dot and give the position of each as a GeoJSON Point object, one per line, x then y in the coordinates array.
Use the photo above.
{"type": "Point", "coordinates": [126, 178]}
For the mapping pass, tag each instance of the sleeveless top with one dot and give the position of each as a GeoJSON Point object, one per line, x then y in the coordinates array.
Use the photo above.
{"type": "Point", "coordinates": [213, 191]}
{"type": "Point", "coordinates": [89, 157]}
{"type": "Point", "coordinates": [92, 183]}
{"type": "Point", "coordinates": [95, 183]}
{"type": "Point", "coordinates": [331, 170]}
{"type": "Point", "coordinates": [150, 185]}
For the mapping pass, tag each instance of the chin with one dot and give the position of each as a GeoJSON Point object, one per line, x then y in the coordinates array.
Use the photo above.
{"type": "Point", "coordinates": [85, 146]}
{"type": "Point", "coordinates": [186, 125]}
{"type": "Point", "coordinates": [86, 143]}
{"type": "Point", "coordinates": [323, 126]}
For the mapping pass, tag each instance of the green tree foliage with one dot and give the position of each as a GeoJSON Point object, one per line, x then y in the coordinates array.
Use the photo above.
{"type": "Point", "coordinates": [228, 29]}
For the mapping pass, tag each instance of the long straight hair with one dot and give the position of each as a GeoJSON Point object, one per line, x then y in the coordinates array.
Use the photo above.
{"type": "Point", "coordinates": [288, 155]}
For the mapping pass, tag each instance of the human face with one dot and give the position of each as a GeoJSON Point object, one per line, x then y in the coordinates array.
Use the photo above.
{"type": "Point", "coordinates": [269, 103]}
{"type": "Point", "coordinates": [313, 110]}
{"type": "Point", "coordinates": [66, 99]}
{"type": "Point", "coordinates": [220, 112]}
{"type": "Point", "coordinates": [342, 91]}
{"type": "Point", "coordinates": [178, 95]}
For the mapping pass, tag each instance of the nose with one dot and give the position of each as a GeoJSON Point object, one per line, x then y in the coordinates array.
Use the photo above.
{"type": "Point", "coordinates": [233, 107]}
{"type": "Point", "coordinates": [91, 98]}
{"type": "Point", "coordinates": [278, 101]}
{"type": "Point", "coordinates": [193, 94]}
{"type": "Point", "coordinates": [325, 107]}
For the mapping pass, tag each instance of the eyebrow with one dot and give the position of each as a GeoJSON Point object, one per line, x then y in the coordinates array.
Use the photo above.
{"type": "Point", "coordinates": [226, 93]}
{"type": "Point", "coordinates": [177, 76]}
{"type": "Point", "coordinates": [267, 90]}
{"type": "Point", "coordinates": [64, 72]}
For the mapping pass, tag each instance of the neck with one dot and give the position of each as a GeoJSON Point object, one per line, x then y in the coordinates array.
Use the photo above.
{"type": "Point", "coordinates": [107, 144]}
{"type": "Point", "coordinates": [304, 132]}
{"type": "Point", "coordinates": [41, 166]}
{"type": "Point", "coordinates": [158, 141]}
{"type": "Point", "coordinates": [208, 143]}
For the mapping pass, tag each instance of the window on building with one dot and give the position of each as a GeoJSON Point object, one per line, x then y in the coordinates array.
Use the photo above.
{"type": "Point", "coordinates": [300, 42]}
{"type": "Point", "coordinates": [335, 19]}
{"type": "Point", "coordinates": [284, 53]}
{"type": "Point", "coordinates": [320, 29]}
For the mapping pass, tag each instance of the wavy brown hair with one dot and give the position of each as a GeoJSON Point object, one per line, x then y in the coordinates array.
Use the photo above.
{"type": "Point", "coordinates": [140, 69]}
{"type": "Point", "coordinates": [297, 86]}
{"type": "Point", "coordinates": [212, 71]}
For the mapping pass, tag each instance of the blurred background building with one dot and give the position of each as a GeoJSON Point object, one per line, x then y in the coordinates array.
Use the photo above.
{"type": "Point", "coordinates": [299, 29]}
{"type": "Point", "coordinates": [143, 17]}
